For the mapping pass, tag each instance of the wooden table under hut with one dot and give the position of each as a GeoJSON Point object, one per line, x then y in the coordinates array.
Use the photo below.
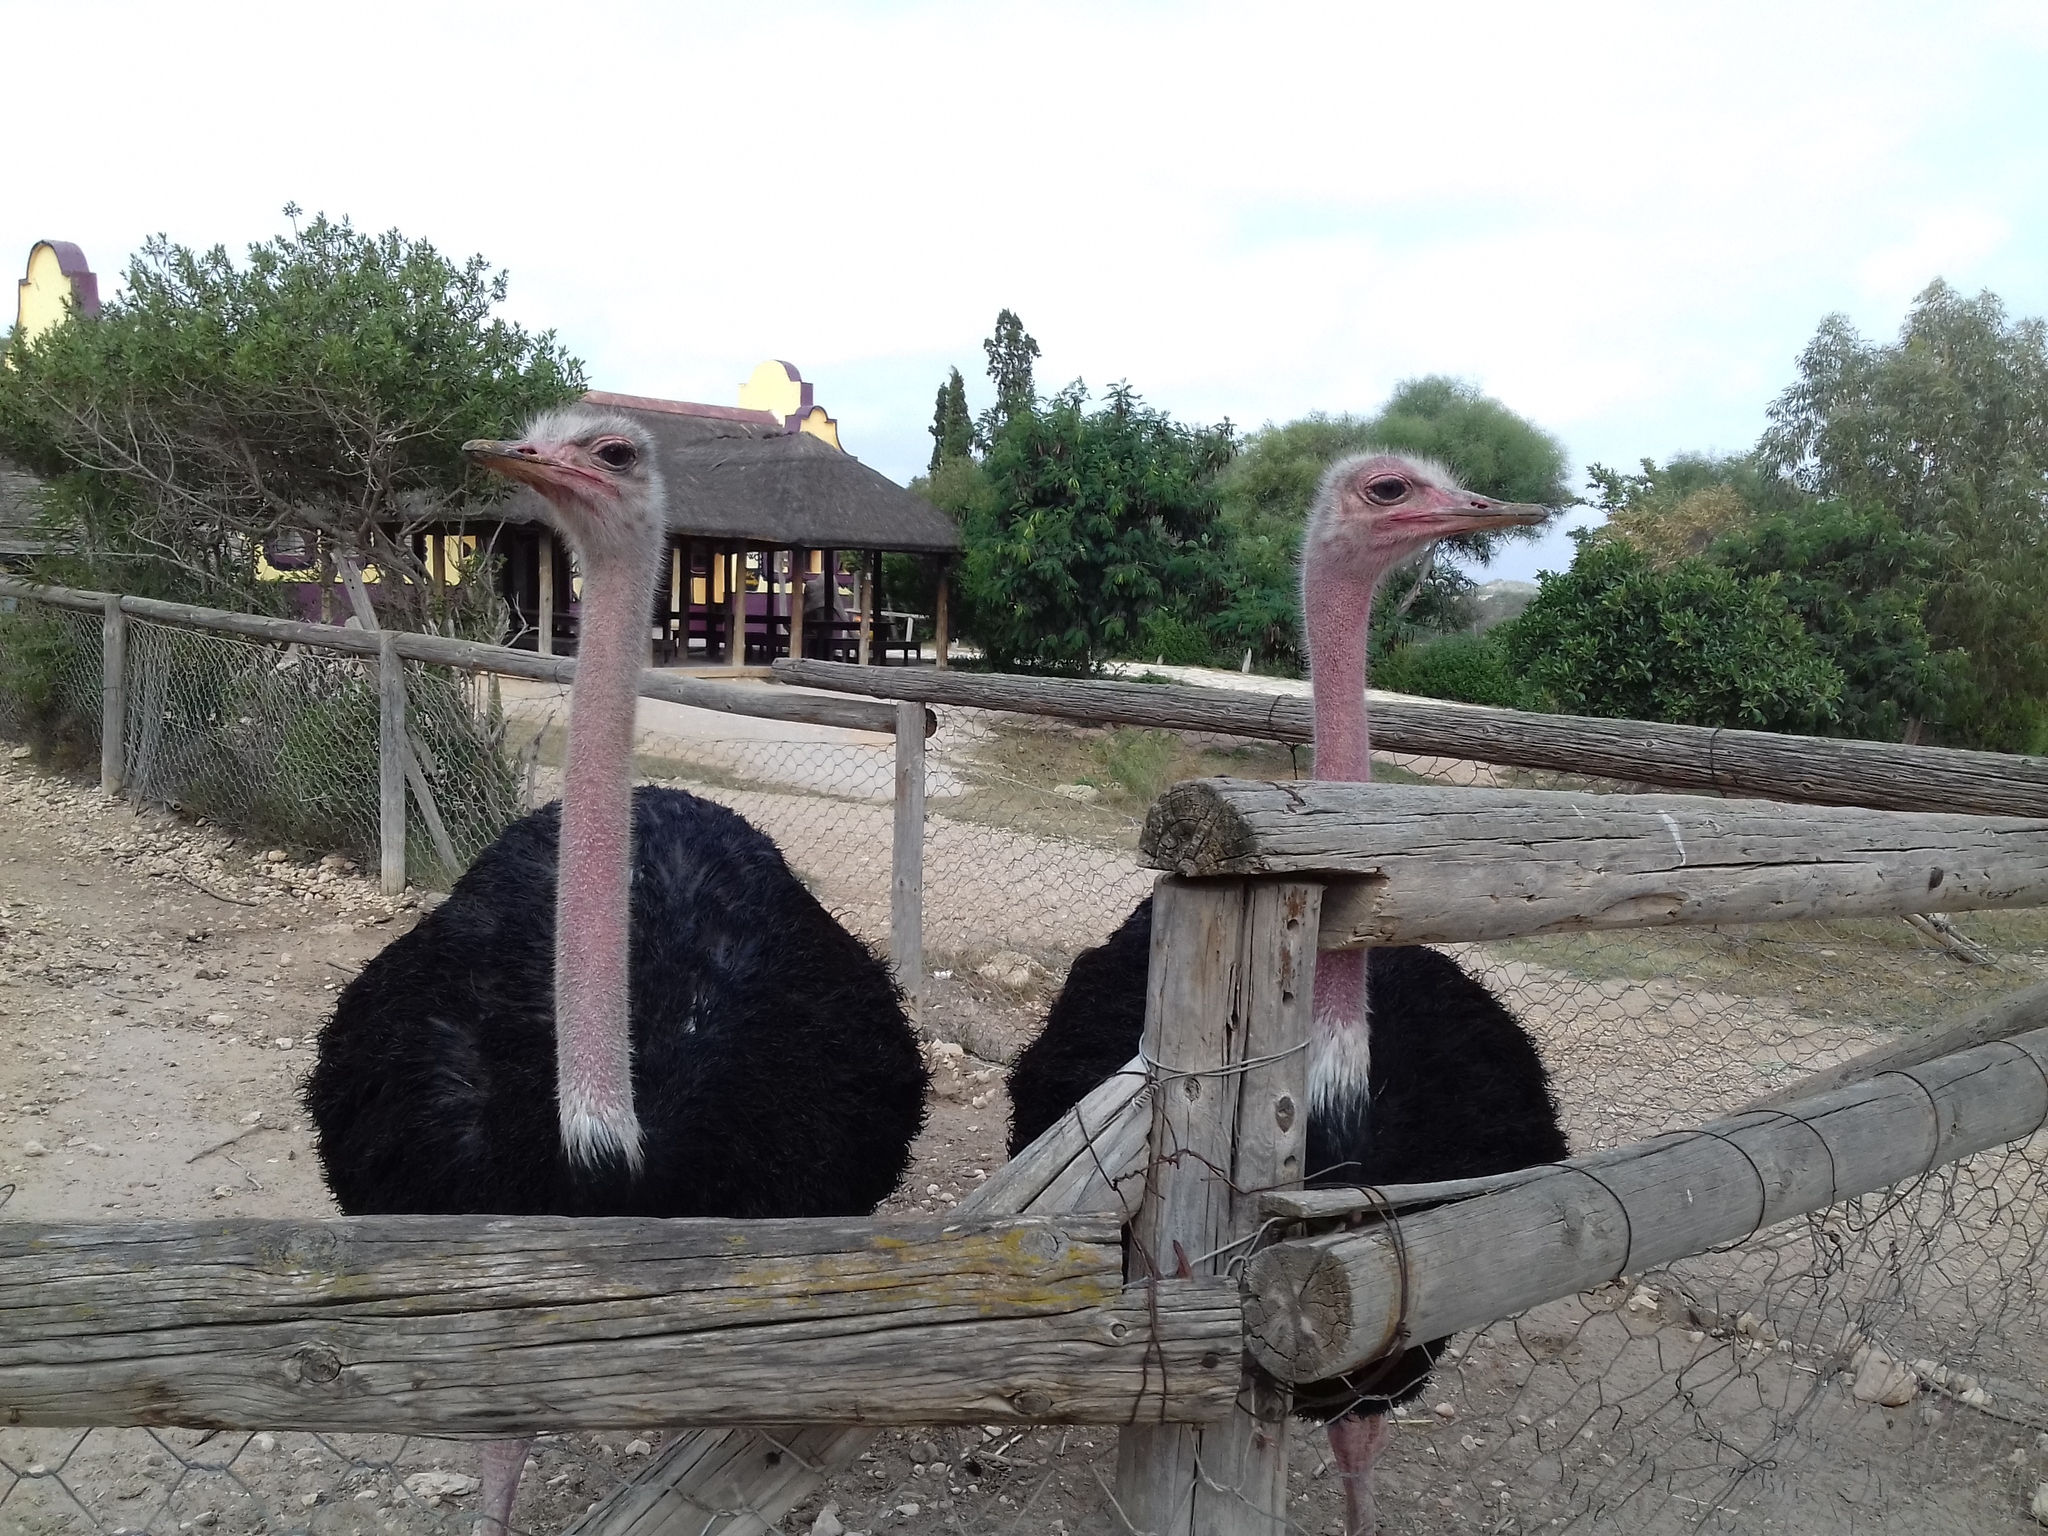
{"type": "Point", "coordinates": [777, 548]}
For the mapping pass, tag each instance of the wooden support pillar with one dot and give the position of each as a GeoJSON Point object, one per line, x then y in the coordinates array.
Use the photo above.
{"type": "Point", "coordinates": [114, 691]}
{"type": "Point", "coordinates": [1227, 1009]}
{"type": "Point", "coordinates": [799, 572]}
{"type": "Point", "coordinates": [863, 608]}
{"type": "Point", "coordinates": [678, 631]}
{"type": "Point", "coordinates": [437, 559]}
{"type": "Point", "coordinates": [943, 636]}
{"type": "Point", "coordinates": [546, 558]}
{"type": "Point", "coordinates": [736, 607]}
{"type": "Point", "coordinates": [906, 873]}
{"type": "Point", "coordinates": [391, 746]}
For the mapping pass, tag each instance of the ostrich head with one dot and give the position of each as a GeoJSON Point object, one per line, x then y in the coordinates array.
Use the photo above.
{"type": "Point", "coordinates": [597, 474]}
{"type": "Point", "coordinates": [1372, 511]}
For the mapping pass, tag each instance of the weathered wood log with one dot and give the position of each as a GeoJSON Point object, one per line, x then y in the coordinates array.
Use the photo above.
{"type": "Point", "coordinates": [391, 753]}
{"type": "Point", "coordinates": [740, 1482]}
{"type": "Point", "coordinates": [770, 703]}
{"type": "Point", "coordinates": [1413, 864]}
{"type": "Point", "coordinates": [1323, 1305]}
{"type": "Point", "coordinates": [1811, 769]}
{"type": "Point", "coordinates": [1229, 996]}
{"type": "Point", "coordinates": [1335, 1200]}
{"type": "Point", "coordinates": [113, 693]}
{"type": "Point", "coordinates": [462, 1325]}
{"type": "Point", "coordinates": [906, 857]}
{"type": "Point", "coordinates": [2016, 1013]}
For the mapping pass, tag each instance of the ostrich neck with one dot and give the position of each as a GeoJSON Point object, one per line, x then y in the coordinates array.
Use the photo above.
{"type": "Point", "coordinates": [1338, 610]}
{"type": "Point", "coordinates": [593, 894]}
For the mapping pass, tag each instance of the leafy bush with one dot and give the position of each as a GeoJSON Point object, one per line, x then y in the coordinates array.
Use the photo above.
{"type": "Point", "coordinates": [1473, 669]}
{"type": "Point", "coordinates": [50, 682]}
{"type": "Point", "coordinates": [1692, 644]}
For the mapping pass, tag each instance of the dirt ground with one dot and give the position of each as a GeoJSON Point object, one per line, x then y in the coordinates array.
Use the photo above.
{"type": "Point", "coordinates": [160, 988]}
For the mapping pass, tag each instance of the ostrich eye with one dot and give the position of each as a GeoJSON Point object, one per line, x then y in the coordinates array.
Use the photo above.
{"type": "Point", "coordinates": [1386, 490]}
{"type": "Point", "coordinates": [616, 455]}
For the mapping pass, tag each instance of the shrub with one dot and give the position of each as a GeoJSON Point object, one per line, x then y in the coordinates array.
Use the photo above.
{"type": "Point", "coordinates": [1473, 669]}
{"type": "Point", "coordinates": [1691, 644]}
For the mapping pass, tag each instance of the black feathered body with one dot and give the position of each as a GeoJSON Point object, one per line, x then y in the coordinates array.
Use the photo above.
{"type": "Point", "coordinates": [1457, 1090]}
{"type": "Point", "coordinates": [774, 1072]}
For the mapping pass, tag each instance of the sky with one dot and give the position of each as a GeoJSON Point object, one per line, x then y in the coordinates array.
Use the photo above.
{"type": "Point", "coordinates": [1624, 221]}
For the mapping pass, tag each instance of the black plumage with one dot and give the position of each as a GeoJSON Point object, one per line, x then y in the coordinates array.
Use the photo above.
{"type": "Point", "coordinates": [774, 1072]}
{"type": "Point", "coordinates": [1457, 1090]}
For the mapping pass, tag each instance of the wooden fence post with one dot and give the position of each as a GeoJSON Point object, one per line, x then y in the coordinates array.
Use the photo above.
{"type": "Point", "coordinates": [906, 862]}
{"type": "Point", "coordinates": [391, 754]}
{"type": "Point", "coordinates": [545, 558]}
{"type": "Point", "coordinates": [1228, 1004]}
{"type": "Point", "coordinates": [114, 692]}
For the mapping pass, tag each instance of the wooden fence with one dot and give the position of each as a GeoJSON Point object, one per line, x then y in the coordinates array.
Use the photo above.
{"type": "Point", "coordinates": [397, 759]}
{"type": "Point", "coordinates": [1023, 1306]}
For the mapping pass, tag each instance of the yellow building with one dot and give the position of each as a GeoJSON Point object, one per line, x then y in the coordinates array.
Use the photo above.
{"type": "Point", "coordinates": [57, 282]}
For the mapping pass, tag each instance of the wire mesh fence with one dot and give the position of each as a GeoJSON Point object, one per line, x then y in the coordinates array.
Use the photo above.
{"type": "Point", "coordinates": [1879, 1366]}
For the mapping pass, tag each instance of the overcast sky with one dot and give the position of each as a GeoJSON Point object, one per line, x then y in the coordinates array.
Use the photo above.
{"type": "Point", "coordinates": [1622, 220]}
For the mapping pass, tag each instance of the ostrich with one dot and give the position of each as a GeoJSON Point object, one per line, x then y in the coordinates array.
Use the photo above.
{"type": "Point", "coordinates": [628, 1005]}
{"type": "Point", "coordinates": [1416, 1071]}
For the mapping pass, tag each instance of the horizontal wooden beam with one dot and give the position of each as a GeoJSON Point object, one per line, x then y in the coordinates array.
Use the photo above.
{"type": "Point", "coordinates": [1324, 1305]}
{"type": "Point", "coordinates": [1813, 770]}
{"type": "Point", "coordinates": [1419, 864]}
{"type": "Point", "coordinates": [733, 698]}
{"type": "Point", "coordinates": [471, 1325]}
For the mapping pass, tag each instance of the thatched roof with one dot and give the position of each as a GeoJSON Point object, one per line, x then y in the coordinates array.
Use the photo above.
{"type": "Point", "coordinates": [737, 475]}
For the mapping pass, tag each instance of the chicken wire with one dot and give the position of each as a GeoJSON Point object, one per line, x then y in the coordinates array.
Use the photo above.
{"type": "Point", "coordinates": [1878, 1366]}
{"type": "Point", "coordinates": [50, 679]}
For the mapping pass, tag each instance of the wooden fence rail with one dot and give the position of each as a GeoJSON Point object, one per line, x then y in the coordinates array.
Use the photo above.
{"type": "Point", "coordinates": [1425, 865]}
{"type": "Point", "coordinates": [763, 701]}
{"type": "Point", "coordinates": [469, 1325]}
{"type": "Point", "coordinates": [1324, 1305]}
{"type": "Point", "coordinates": [1807, 769]}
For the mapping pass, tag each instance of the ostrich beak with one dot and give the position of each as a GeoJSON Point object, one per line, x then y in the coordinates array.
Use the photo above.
{"type": "Point", "coordinates": [528, 463]}
{"type": "Point", "coordinates": [1469, 512]}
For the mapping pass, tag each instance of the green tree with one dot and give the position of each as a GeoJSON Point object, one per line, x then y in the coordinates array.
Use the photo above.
{"type": "Point", "coordinates": [321, 387]}
{"type": "Point", "coordinates": [1946, 431]}
{"type": "Point", "coordinates": [1011, 352]}
{"type": "Point", "coordinates": [952, 428]}
{"type": "Point", "coordinates": [1692, 644]}
{"type": "Point", "coordinates": [1858, 582]}
{"type": "Point", "coordinates": [1100, 527]}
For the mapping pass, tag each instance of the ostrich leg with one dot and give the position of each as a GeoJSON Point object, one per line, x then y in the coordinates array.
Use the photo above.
{"type": "Point", "coordinates": [504, 1460]}
{"type": "Point", "coordinates": [1356, 1440]}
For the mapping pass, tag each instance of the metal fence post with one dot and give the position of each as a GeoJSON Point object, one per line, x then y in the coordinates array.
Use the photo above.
{"type": "Point", "coordinates": [113, 692]}
{"type": "Point", "coordinates": [391, 762]}
{"type": "Point", "coordinates": [906, 864]}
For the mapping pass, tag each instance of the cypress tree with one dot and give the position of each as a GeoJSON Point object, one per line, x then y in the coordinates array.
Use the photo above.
{"type": "Point", "coordinates": [952, 429]}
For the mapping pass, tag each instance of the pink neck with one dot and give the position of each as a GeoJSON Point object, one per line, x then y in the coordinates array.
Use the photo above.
{"type": "Point", "coordinates": [593, 895]}
{"type": "Point", "coordinates": [1338, 609]}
